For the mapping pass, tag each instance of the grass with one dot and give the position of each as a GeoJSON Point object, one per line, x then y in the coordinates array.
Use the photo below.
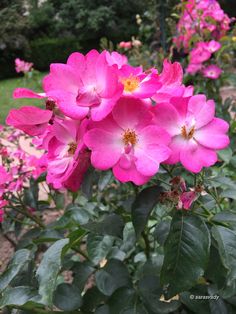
{"type": "Point", "coordinates": [6, 90]}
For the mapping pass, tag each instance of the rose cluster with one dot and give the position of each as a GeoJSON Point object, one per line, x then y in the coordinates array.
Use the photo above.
{"type": "Point", "coordinates": [202, 24]}
{"type": "Point", "coordinates": [16, 166]}
{"type": "Point", "coordinates": [103, 112]}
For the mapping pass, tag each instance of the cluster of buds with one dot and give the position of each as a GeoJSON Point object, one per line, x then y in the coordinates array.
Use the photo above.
{"type": "Point", "coordinates": [179, 195]}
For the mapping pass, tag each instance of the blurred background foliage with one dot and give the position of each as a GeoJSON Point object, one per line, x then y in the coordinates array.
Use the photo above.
{"type": "Point", "coordinates": [43, 31]}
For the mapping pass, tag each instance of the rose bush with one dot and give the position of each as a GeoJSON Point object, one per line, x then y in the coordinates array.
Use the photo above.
{"type": "Point", "coordinates": [148, 218]}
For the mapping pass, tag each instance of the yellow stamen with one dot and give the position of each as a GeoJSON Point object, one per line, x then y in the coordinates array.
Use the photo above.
{"type": "Point", "coordinates": [187, 135]}
{"type": "Point", "coordinates": [130, 84]}
{"type": "Point", "coordinates": [129, 137]}
{"type": "Point", "coordinates": [72, 148]}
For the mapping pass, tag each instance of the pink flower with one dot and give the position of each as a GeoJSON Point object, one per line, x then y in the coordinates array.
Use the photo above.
{"type": "Point", "coordinates": [193, 68]}
{"type": "Point", "coordinates": [137, 83]}
{"type": "Point", "coordinates": [125, 44]}
{"type": "Point", "coordinates": [31, 120]}
{"type": "Point", "coordinates": [186, 199]}
{"type": "Point", "coordinates": [67, 160]}
{"type": "Point", "coordinates": [212, 72]}
{"type": "Point", "coordinates": [22, 66]}
{"type": "Point", "coordinates": [84, 85]}
{"type": "Point", "coordinates": [199, 54]}
{"type": "Point", "coordinates": [115, 58]}
{"type": "Point", "coordinates": [5, 177]}
{"type": "Point", "coordinates": [128, 142]}
{"type": "Point", "coordinates": [196, 133]}
{"type": "Point", "coordinates": [213, 46]}
{"type": "Point", "coordinates": [171, 79]}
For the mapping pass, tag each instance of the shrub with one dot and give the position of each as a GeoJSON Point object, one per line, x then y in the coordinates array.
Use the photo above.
{"type": "Point", "coordinates": [47, 50]}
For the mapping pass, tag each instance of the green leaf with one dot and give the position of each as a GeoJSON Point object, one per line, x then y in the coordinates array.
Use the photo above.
{"type": "Point", "coordinates": [161, 231]}
{"type": "Point", "coordinates": [104, 309]}
{"type": "Point", "coordinates": [225, 217]}
{"type": "Point", "coordinates": [111, 277]}
{"type": "Point", "coordinates": [226, 241]}
{"type": "Point", "coordinates": [186, 253]}
{"type": "Point", "coordinates": [151, 291]}
{"type": "Point", "coordinates": [217, 306]}
{"type": "Point", "coordinates": [104, 179]}
{"type": "Point", "coordinates": [225, 154]}
{"type": "Point", "coordinates": [67, 297]}
{"type": "Point", "coordinates": [19, 260]}
{"type": "Point", "coordinates": [111, 225]}
{"type": "Point", "coordinates": [49, 269]}
{"type": "Point", "coordinates": [195, 305]}
{"type": "Point", "coordinates": [122, 300]}
{"type": "Point", "coordinates": [142, 207]}
{"type": "Point", "coordinates": [91, 299]}
{"type": "Point", "coordinates": [17, 296]}
{"type": "Point", "coordinates": [59, 199]}
{"type": "Point", "coordinates": [230, 193]}
{"type": "Point", "coordinates": [98, 247]}
{"type": "Point", "coordinates": [82, 271]}
{"type": "Point", "coordinates": [79, 214]}
{"type": "Point", "coordinates": [31, 194]}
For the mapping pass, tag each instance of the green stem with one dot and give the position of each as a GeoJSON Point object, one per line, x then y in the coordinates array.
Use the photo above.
{"type": "Point", "coordinates": [147, 245]}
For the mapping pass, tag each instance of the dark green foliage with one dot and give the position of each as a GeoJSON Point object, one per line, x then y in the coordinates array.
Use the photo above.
{"type": "Point", "coordinates": [51, 50]}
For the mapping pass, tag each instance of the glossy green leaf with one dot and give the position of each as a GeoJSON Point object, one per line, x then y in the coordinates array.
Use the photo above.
{"type": "Point", "coordinates": [67, 297]}
{"type": "Point", "coordinates": [186, 252]}
{"type": "Point", "coordinates": [161, 231]}
{"type": "Point", "coordinates": [151, 292]}
{"type": "Point", "coordinates": [82, 271]}
{"type": "Point", "coordinates": [142, 207]}
{"type": "Point", "coordinates": [98, 247]}
{"type": "Point", "coordinates": [111, 277]}
{"type": "Point", "coordinates": [226, 240]}
{"type": "Point", "coordinates": [17, 296]}
{"type": "Point", "coordinates": [49, 269]}
{"type": "Point", "coordinates": [111, 225]}
{"type": "Point", "coordinates": [19, 260]}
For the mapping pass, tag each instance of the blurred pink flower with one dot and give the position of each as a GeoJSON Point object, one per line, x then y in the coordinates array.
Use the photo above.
{"type": "Point", "coordinates": [22, 66]}
{"type": "Point", "coordinates": [212, 71]}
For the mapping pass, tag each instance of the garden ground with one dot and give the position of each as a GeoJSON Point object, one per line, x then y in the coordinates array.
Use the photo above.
{"type": "Point", "coordinates": [6, 89]}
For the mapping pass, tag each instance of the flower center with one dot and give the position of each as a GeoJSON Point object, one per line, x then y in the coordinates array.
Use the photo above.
{"type": "Point", "coordinates": [129, 137]}
{"type": "Point", "coordinates": [72, 148]}
{"type": "Point", "coordinates": [130, 84]}
{"type": "Point", "coordinates": [187, 134]}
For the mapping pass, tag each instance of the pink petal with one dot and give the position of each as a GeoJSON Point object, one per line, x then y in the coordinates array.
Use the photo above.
{"type": "Point", "coordinates": [213, 134]}
{"type": "Point", "coordinates": [98, 113]}
{"type": "Point", "coordinates": [202, 110]}
{"type": "Point", "coordinates": [176, 145]}
{"type": "Point", "coordinates": [27, 93]}
{"type": "Point", "coordinates": [172, 73]}
{"type": "Point", "coordinates": [131, 113]}
{"type": "Point", "coordinates": [77, 61]}
{"type": "Point", "coordinates": [131, 174]}
{"type": "Point", "coordinates": [62, 77]}
{"type": "Point", "coordinates": [67, 104]}
{"type": "Point", "coordinates": [148, 159]}
{"type": "Point", "coordinates": [194, 157]}
{"type": "Point", "coordinates": [106, 148]}
{"type": "Point", "coordinates": [167, 117]}
{"type": "Point", "coordinates": [181, 105]}
{"type": "Point", "coordinates": [147, 88]}
{"type": "Point", "coordinates": [107, 78]}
